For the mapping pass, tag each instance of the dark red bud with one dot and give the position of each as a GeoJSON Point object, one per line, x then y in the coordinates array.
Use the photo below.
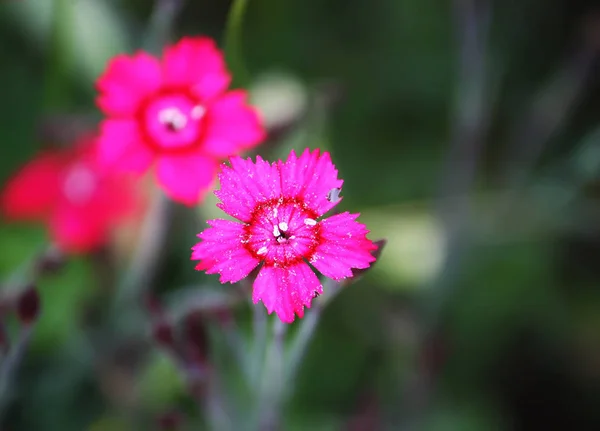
{"type": "Point", "coordinates": [153, 305]}
{"type": "Point", "coordinates": [51, 261]}
{"type": "Point", "coordinates": [162, 332]}
{"type": "Point", "coordinates": [4, 340]}
{"type": "Point", "coordinates": [170, 421]}
{"type": "Point", "coordinates": [28, 305]}
{"type": "Point", "coordinates": [196, 337]}
{"type": "Point", "coordinates": [223, 315]}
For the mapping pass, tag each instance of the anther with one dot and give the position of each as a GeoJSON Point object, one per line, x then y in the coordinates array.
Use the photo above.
{"type": "Point", "coordinates": [309, 222]}
{"type": "Point", "coordinates": [172, 118]}
{"type": "Point", "coordinates": [262, 250]}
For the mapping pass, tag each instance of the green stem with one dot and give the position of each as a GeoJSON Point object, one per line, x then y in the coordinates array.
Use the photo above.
{"type": "Point", "coordinates": [152, 238]}
{"type": "Point", "coordinates": [305, 334]}
{"type": "Point", "coordinates": [161, 24]}
{"type": "Point", "coordinates": [60, 58]}
{"type": "Point", "coordinates": [233, 43]}
{"type": "Point", "coordinates": [271, 397]}
{"type": "Point", "coordinates": [10, 367]}
{"type": "Point", "coordinates": [281, 369]}
{"type": "Point", "coordinates": [259, 327]}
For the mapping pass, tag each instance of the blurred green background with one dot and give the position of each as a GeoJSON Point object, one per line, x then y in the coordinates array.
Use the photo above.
{"type": "Point", "coordinates": [467, 135]}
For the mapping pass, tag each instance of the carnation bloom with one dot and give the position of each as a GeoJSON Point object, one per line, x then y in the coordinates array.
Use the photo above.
{"type": "Point", "coordinates": [176, 115]}
{"type": "Point", "coordinates": [279, 206]}
{"type": "Point", "coordinates": [68, 190]}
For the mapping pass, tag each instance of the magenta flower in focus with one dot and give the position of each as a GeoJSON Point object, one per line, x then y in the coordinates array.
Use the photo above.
{"type": "Point", "coordinates": [80, 201]}
{"type": "Point", "coordinates": [280, 206]}
{"type": "Point", "coordinates": [176, 115]}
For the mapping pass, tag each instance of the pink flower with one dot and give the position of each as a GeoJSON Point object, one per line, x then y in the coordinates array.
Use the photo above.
{"type": "Point", "coordinates": [176, 115]}
{"type": "Point", "coordinates": [68, 190]}
{"type": "Point", "coordinates": [279, 206]}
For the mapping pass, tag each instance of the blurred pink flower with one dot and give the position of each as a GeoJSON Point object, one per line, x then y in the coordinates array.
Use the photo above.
{"type": "Point", "coordinates": [80, 201]}
{"type": "Point", "coordinates": [177, 114]}
{"type": "Point", "coordinates": [279, 206]}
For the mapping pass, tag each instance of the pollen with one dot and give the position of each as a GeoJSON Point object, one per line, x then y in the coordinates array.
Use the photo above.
{"type": "Point", "coordinates": [262, 250]}
{"type": "Point", "coordinates": [310, 222]}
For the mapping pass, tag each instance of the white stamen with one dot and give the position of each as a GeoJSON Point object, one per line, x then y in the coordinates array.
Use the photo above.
{"type": "Point", "coordinates": [283, 226]}
{"type": "Point", "coordinates": [198, 112]}
{"type": "Point", "coordinates": [262, 250]}
{"type": "Point", "coordinates": [309, 222]}
{"type": "Point", "coordinates": [276, 232]}
{"type": "Point", "coordinates": [173, 117]}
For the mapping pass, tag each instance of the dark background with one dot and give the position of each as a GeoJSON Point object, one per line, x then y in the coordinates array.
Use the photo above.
{"type": "Point", "coordinates": [467, 135]}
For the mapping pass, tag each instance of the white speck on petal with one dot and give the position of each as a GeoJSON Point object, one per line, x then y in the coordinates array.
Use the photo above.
{"type": "Point", "coordinates": [283, 226]}
{"type": "Point", "coordinates": [262, 250]}
{"type": "Point", "coordinates": [309, 222]}
{"type": "Point", "coordinates": [197, 112]}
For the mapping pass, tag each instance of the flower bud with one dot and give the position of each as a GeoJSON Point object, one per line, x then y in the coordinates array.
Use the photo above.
{"type": "Point", "coordinates": [28, 305]}
{"type": "Point", "coordinates": [153, 305]}
{"type": "Point", "coordinates": [222, 315]}
{"type": "Point", "coordinates": [170, 420]}
{"type": "Point", "coordinates": [4, 340]}
{"type": "Point", "coordinates": [51, 261]}
{"type": "Point", "coordinates": [196, 338]}
{"type": "Point", "coordinates": [162, 333]}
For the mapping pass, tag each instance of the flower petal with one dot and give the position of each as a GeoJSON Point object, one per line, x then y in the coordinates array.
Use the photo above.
{"type": "Point", "coordinates": [186, 178]}
{"type": "Point", "coordinates": [245, 184]}
{"type": "Point", "coordinates": [286, 290]}
{"type": "Point", "coordinates": [76, 230]}
{"type": "Point", "coordinates": [232, 125]}
{"type": "Point", "coordinates": [343, 246]}
{"type": "Point", "coordinates": [196, 62]}
{"type": "Point", "coordinates": [222, 251]}
{"type": "Point", "coordinates": [126, 82]}
{"type": "Point", "coordinates": [120, 147]}
{"type": "Point", "coordinates": [35, 189]}
{"type": "Point", "coordinates": [311, 176]}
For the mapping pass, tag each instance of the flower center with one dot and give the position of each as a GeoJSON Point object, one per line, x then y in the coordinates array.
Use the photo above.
{"type": "Point", "coordinates": [282, 232]}
{"type": "Point", "coordinates": [173, 122]}
{"type": "Point", "coordinates": [79, 184]}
